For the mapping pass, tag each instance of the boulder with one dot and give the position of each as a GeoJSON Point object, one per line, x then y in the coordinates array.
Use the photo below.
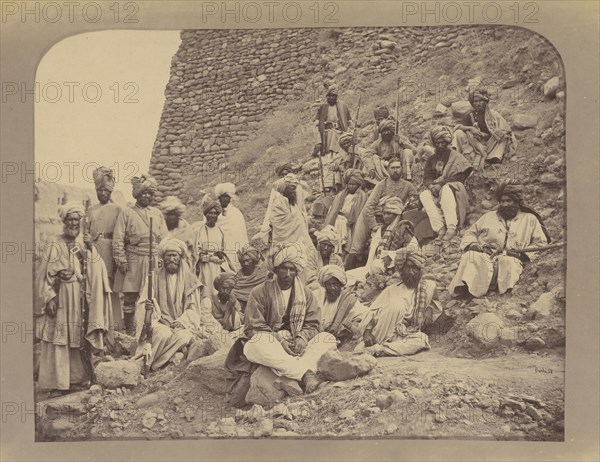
{"type": "Point", "coordinates": [440, 110]}
{"type": "Point", "coordinates": [210, 371]}
{"type": "Point", "coordinates": [197, 350]}
{"type": "Point", "coordinates": [542, 307]}
{"type": "Point", "coordinates": [337, 366]}
{"type": "Point", "coordinates": [534, 343]}
{"type": "Point", "coordinates": [486, 327]}
{"type": "Point", "coordinates": [125, 345]}
{"type": "Point", "coordinates": [263, 390]}
{"type": "Point", "coordinates": [151, 399]}
{"type": "Point", "coordinates": [116, 374]}
{"type": "Point", "coordinates": [551, 87]}
{"type": "Point", "coordinates": [524, 121]}
{"type": "Point", "coordinates": [64, 407]}
{"type": "Point", "coordinates": [461, 109]}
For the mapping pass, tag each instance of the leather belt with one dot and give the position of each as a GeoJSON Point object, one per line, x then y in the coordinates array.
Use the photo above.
{"type": "Point", "coordinates": [105, 235]}
{"type": "Point", "coordinates": [329, 125]}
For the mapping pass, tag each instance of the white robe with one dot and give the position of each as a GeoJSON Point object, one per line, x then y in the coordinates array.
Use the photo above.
{"type": "Point", "coordinates": [233, 224]}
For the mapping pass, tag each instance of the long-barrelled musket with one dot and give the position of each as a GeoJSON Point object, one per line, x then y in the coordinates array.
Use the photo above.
{"type": "Point", "coordinates": [398, 108]}
{"type": "Point", "coordinates": [86, 347]}
{"type": "Point", "coordinates": [146, 335]}
{"type": "Point", "coordinates": [353, 156]}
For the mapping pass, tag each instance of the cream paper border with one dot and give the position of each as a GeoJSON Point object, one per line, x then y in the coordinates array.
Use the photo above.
{"type": "Point", "coordinates": [572, 27]}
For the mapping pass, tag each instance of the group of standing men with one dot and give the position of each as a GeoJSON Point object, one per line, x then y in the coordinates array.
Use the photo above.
{"type": "Point", "coordinates": [285, 309]}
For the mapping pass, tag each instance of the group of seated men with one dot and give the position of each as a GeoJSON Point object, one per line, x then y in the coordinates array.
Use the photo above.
{"type": "Point", "coordinates": [290, 296]}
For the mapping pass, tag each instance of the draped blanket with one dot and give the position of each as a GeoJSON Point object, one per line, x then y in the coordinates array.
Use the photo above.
{"type": "Point", "coordinates": [244, 284]}
{"type": "Point", "coordinates": [288, 222]}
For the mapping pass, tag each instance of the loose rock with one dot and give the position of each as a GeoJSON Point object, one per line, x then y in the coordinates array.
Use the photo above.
{"type": "Point", "coordinates": [338, 366]}
{"type": "Point", "coordinates": [116, 374]}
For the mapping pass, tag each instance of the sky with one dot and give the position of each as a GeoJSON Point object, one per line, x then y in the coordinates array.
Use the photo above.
{"type": "Point", "coordinates": [99, 98]}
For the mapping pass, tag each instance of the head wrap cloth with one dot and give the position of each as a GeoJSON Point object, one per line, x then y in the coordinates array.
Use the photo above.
{"type": "Point", "coordinates": [355, 175]}
{"type": "Point", "coordinates": [479, 92]}
{"type": "Point", "coordinates": [71, 207]}
{"type": "Point", "coordinates": [282, 183]}
{"type": "Point", "coordinates": [288, 253]}
{"type": "Point", "coordinates": [346, 136]}
{"type": "Point", "coordinates": [104, 178]}
{"type": "Point", "coordinates": [171, 244]}
{"type": "Point", "coordinates": [440, 133]}
{"type": "Point", "coordinates": [332, 271]}
{"type": "Point", "coordinates": [208, 203]}
{"type": "Point", "coordinates": [222, 278]}
{"type": "Point", "coordinates": [250, 251]}
{"type": "Point", "coordinates": [142, 183]}
{"type": "Point", "coordinates": [328, 234]}
{"type": "Point", "coordinates": [391, 204]}
{"type": "Point", "coordinates": [172, 204]}
{"type": "Point", "coordinates": [387, 124]}
{"type": "Point", "coordinates": [381, 113]}
{"type": "Point", "coordinates": [225, 188]}
{"type": "Point", "coordinates": [408, 254]}
{"type": "Point", "coordinates": [333, 89]}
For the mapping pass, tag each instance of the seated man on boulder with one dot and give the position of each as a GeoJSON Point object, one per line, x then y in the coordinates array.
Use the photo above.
{"type": "Point", "coordinates": [283, 320]}
{"type": "Point", "coordinates": [253, 273]}
{"type": "Point", "coordinates": [324, 254]}
{"type": "Point", "coordinates": [393, 324]}
{"type": "Point", "coordinates": [223, 305]}
{"type": "Point", "coordinates": [492, 245]}
{"type": "Point", "coordinates": [175, 306]}
{"type": "Point", "coordinates": [341, 310]}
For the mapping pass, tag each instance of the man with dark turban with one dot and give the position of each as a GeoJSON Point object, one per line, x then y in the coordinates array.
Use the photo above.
{"type": "Point", "coordinates": [491, 245]}
{"type": "Point", "coordinates": [324, 254]}
{"type": "Point", "coordinates": [231, 221]}
{"type": "Point", "coordinates": [131, 249]}
{"type": "Point", "coordinates": [445, 198]}
{"type": "Point", "coordinates": [390, 145]}
{"type": "Point", "coordinates": [211, 258]}
{"type": "Point", "coordinates": [392, 326]}
{"type": "Point", "coordinates": [59, 310]}
{"type": "Point", "coordinates": [332, 119]}
{"type": "Point", "coordinates": [252, 273]}
{"type": "Point", "coordinates": [486, 136]}
{"type": "Point", "coordinates": [346, 208]}
{"type": "Point", "coordinates": [176, 310]}
{"type": "Point", "coordinates": [341, 309]}
{"type": "Point", "coordinates": [392, 186]}
{"type": "Point", "coordinates": [224, 306]}
{"type": "Point", "coordinates": [101, 221]}
{"type": "Point", "coordinates": [282, 321]}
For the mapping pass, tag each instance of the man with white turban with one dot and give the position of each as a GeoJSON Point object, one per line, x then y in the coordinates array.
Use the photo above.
{"type": "Point", "coordinates": [341, 309]}
{"type": "Point", "coordinates": [59, 312]}
{"type": "Point", "coordinates": [232, 222]}
{"type": "Point", "coordinates": [177, 315]}
{"type": "Point", "coordinates": [392, 326]}
{"type": "Point", "coordinates": [131, 249]}
{"type": "Point", "coordinates": [283, 320]}
{"type": "Point", "coordinates": [101, 221]}
{"type": "Point", "coordinates": [324, 254]}
{"type": "Point", "coordinates": [173, 209]}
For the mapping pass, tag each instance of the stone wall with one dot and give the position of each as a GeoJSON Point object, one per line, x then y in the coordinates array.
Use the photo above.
{"type": "Point", "coordinates": [223, 82]}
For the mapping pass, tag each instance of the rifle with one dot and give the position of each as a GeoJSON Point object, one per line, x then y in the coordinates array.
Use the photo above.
{"type": "Point", "coordinates": [353, 156]}
{"type": "Point", "coordinates": [86, 347]}
{"type": "Point", "coordinates": [397, 108]}
{"type": "Point", "coordinates": [146, 334]}
{"type": "Point", "coordinates": [321, 152]}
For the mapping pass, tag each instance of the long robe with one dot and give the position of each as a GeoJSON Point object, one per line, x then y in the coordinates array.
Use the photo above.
{"type": "Point", "coordinates": [344, 213]}
{"type": "Point", "coordinates": [244, 284]}
{"type": "Point", "coordinates": [102, 221]}
{"type": "Point", "coordinates": [228, 314]}
{"type": "Point", "coordinates": [61, 362]}
{"type": "Point", "coordinates": [478, 270]}
{"type": "Point", "coordinates": [131, 239]}
{"type": "Point", "coordinates": [289, 222]}
{"type": "Point", "coordinates": [340, 115]}
{"type": "Point", "coordinates": [208, 241]}
{"type": "Point", "coordinates": [233, 224]}
{"type": "Point", "coordinates": [337, 316]}
{"type": "Point", "coordinates": [383, 150]}
{"type": "Point", "coordinates": [314, 263]}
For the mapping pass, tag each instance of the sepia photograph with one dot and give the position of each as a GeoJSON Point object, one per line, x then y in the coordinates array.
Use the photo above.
{"type": "Point", "coordinates": [294, 233]}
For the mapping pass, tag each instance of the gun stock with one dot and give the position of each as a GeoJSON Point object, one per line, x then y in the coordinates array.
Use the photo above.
{"type": "Point", "coordinates": [86, 347]}
{"type": "Point", "coordinates": [147, 329]}
{"type": "Point", "coordinates": [353, 156]}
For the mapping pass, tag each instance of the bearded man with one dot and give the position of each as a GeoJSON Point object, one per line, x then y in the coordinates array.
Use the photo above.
{"type": "Point", "coordinates": [131, 245]}
{"type": "Point", "coordinates": [492, 245]}
{"type": "Point", "coordinates": [389, 146]}
{"type": "Point", "coordinates": [327, 241]}
{"type": "Point", "coordinates": [252, 274]}
{"type": "Point", "coordinates": [346, 208]}
{"type": "Point", "coordinates": [173, 209]}
{"type": "Point", "coordinates": [59, 312]}
{"type": "Point", "coordinates": [231, 221]}
{"type": "Point", "coordinates": [393, 324]}
{"type": "Point", "coordinates": [175, 306]}
{"type": "Point", "coordinates": [223, 305]}
{"type": "Point", "coordinates": [282, 322]}
{"type": "Point", "coordinates": [392, 186]}
{"type": "Point", "coordinates": [486, 136]}
{"type": "Point", "coordinates": [102, 219]}
{"type": "Point", "coordinates": [445, 198]}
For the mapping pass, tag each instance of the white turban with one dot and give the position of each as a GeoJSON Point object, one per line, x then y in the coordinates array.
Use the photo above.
{"type": "Point", "coordinates": [172, 204]}
{"type": "Point", "coordinates": [225, 188]}
{"type": "Point", "coordinates": [332, 271]}
{"type": "Point", "coordinates": [294, 253]}
{"type": "Point", "coordinates": [171, 244]}
{"type": "Point", "coordinates": [328, 234]}
{"type": "Point", "coordinates": [71, 207]}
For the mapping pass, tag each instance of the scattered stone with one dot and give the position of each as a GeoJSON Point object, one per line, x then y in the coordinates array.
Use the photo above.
{"type": "Point", "coordinates": [189, 414]}
{"type": "Point", "coordinates": [537, 141]}
{"type": "Point", "coordinates": [440, 418]}
{"type": "Point", "coordinates": [513, 404]}
{"type": "Point", "coordinates": [506, 428]}
{"type": "Point", "coordinates": [551, 87]}
{"type": "Point", "coordinates": [391, 428]}
{"type": "Point", "coordinates": [281, 410]}
{"type": "Point", "coordinates": [116, 374]}
{"type": "Point", "coordinates": [150, 399]}
{"type": "Point", "coordinates": [177, 358]}
{"type": "Point", "coordinates": [149, 420]}
{"type": "Point", "coordinates": [347, 414]}
{"type": "Point", "coordinates": [560, 96]}
{"type": "Point", "coordinates": [262, 388]}
{"type": "Point", "coordinates": [265, 428]}
{"type": "Point", "coordinates": [440, 110]}
{"type": "Point", "coordinates": [69, 405]}
{"type": "Point", "coordinates": [397, 396]}
{"type": "Point", "coordinates": [525, 121]}
{"type": "Point", "coordinates": [290, 386]}
{"type": "Point", "coordinates": [461, 109]}
{"type": "Point", "coordinates": [210, 371]}
{"type": "Point", "coordinates": [338, 366]}
{"type": "Point", "coordinates": [124, 344]}
{"type": "Point", "coordinates": [534, 343]}
{"type": "Point", "coordinates": [542, 307]}
{"type": "Point", "coordinates": [96, 390]}
{"type": "Point", "coordinates": [383, 400]}
{"type": "Point", "coordinates": [513, 314]}
{"type": "Point", "coordinates": [485, 327]}
{"type": "Point", "coordinates": [376, 383]}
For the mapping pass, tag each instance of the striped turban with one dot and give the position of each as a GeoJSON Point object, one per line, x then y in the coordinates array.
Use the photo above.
{"type": "Point", "coordinates": [282, 183]}
{"type": "Point", "coordinates": [222, 278]}
{"type": "Point", "coordinates": [511, 190]}
{"type": "Point", "coordinates": [332, 271]}
{"type": "Point", "coordinates": [171, 244]}
{"type": "Point", "coordinates": [355, 175]}
{"type": "Point", "coordinates": [346, 136]}
{"type": "Point", "coordinates": [71, 207]}
{"type": "Point", "coordinates": [172, 204]}
{"type": "Point", "coordinates": [225, 188]}
{"type": "Point", "coordinates": [142, 183]}
{"type": "Point", "coordinates": [391, 204]}
{"type": "Point", "coordinates": [439, 133]}
{"type": "Point", "coordinates": [328, 234]}
{"type": "Point", "coordinates": [381, 113]}
{"type": "Point", "coordinates": [479, 92]}
{"type": "Point", "coordinates": [408, 254]}
{"type": "Point", "coordinates": [104, 178]}
{"type": "Point", "coordinates": [288, 253]}
{"type": "Point", "coordinates": [209, 204]}
{"type": "Point", "coordinates": [388, 124]}
{"type": "Point", "coordinates": [249, 251]}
